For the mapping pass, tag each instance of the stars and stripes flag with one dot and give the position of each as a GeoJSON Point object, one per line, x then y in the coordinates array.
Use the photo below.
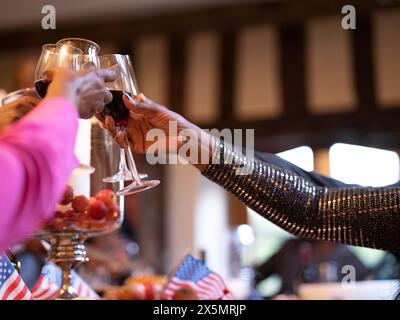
{"type": "Point", "coordinates": [49, 284]}
{"type": "Point", "coordinates": [12, 287]}
{"type": "Point", "coordinates": [194, 273]}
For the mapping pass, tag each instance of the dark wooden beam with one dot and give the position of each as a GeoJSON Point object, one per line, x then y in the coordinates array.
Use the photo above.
{"type": "Point", "coordinates": [217, 19]}
{"type": "Point", "coordinates": [363, 63]}
{"type": "Point", "coordinates": [292, 60]}
{"type": "Point", "coordinates": [177, 61]}
{"type": "Point", "coordinates": [379, 127]}
{"type": "Point", "coordinates": [125, 47]}
{"type": "Point", "coordinates": [227, 68]}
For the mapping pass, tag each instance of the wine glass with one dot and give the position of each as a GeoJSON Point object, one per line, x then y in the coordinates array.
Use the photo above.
{"type": "Point", "coordinates": [90, 49]}
{"type": "Point", "coordinates": [87, 47]}
{"type": "Point", "coordinates": [54, 56]}
{"type": "Point", "coordinates": [124, 85]}
{"type": "Point", "coordinates": [14, 95]}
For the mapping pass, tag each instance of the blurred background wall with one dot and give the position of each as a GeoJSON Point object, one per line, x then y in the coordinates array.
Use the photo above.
{"type": "Point", "coordinates": [285, 68]}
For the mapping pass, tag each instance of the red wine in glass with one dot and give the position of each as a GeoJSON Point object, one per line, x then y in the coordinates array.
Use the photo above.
{"type": "Point", "coordinates": [116, 108]}
{"type": "Point", "coordinates": [41, 87]}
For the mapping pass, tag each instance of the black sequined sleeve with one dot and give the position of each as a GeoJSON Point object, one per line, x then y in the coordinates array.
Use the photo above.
{"type": "Point", "coordinates": [361, 216]}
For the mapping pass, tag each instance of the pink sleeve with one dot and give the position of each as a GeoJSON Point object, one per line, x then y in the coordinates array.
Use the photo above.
{"type": "Point", "coordinates": [36, 159]}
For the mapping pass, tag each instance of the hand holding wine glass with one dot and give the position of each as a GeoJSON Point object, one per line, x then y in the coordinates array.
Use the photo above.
{"type": "Point", "coordinates": [64, 66]}
{"type": "Point", "coordinates": [85, 88]}
{"type": "Point", "coordinates": [123, 87]}
{"type": "Point", "coordinates": [146, 115]}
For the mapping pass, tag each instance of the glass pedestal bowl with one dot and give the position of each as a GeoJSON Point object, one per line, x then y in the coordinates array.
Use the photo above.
{"type": "Point", "coordinates": [76, 219]}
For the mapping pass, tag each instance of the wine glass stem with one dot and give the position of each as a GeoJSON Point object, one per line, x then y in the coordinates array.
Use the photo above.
{"type": "Point", "coordinates": [122, 161]}
{"type": "Point", "coordinates": [131, 161]}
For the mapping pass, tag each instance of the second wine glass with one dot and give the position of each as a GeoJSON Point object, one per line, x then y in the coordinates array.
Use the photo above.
{"type": "Point", "coordinates": [124, 85]}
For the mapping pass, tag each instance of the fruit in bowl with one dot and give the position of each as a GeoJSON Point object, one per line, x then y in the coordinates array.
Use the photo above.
{"type": "Point", "coordinates": [79, 213]}
{"type": "Point", "coordinates": [80, 204]}
{"type": "Point", "coordinates": [67, 196]}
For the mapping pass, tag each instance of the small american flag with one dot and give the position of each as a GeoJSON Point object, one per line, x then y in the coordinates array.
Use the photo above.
{"type": "Point", "coordinates": [12, 287]}
{"type": "Point", "coordinates": [49, 283]}
{"type": "Point", "coordinates": [194, 273]}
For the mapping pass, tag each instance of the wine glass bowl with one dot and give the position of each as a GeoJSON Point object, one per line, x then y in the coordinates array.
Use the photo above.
{"type": "Point", "coordinates": [88, 47]}
{"type": "Point", "coordinates": [89, 51]}
{"type": "Point", "coordinates": [53, 56]}
{"type": "Point", "coordinates": [14, 95]}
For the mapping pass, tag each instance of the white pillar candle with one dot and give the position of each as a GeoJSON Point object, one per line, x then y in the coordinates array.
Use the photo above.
{"type": "Point", "coordinates": [79, 181]}
{"type": "Point", "coordinates": [83, 141]}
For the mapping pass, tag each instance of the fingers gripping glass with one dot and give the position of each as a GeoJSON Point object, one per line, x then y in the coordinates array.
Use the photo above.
{"type": "Point", "coordinates": [124, 85]}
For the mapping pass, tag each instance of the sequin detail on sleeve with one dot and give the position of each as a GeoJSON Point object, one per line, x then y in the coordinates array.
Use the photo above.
{"type": "Point", "coordinates": [360, 216]}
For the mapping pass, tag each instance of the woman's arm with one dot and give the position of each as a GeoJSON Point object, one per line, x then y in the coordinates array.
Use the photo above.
{"type": "Point", "coordinates": [36, 158]}
{"type": "Point", "coordinates": [37, 152]}
{"type": "Point", "coordinates": [312, 176]}
{"type": "Point", "coordinates": [368, 217]}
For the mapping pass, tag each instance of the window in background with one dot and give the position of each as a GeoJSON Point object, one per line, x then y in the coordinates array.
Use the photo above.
{"type": "Point", "coordinates": [302, 157]}
{"type": "Point", "coordinates": [363, 165]}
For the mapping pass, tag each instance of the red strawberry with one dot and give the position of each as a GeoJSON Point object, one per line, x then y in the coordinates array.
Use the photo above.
{"type": "Point", "coordinates": [80, 203]}
{"type": "Point", "coordinates": [82, 221]}
{"type": "Point", "coordinates": [67, 196]}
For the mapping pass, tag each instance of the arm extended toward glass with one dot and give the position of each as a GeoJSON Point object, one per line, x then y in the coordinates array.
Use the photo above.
{"type": "Point", "coordinates": [309, 205]}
